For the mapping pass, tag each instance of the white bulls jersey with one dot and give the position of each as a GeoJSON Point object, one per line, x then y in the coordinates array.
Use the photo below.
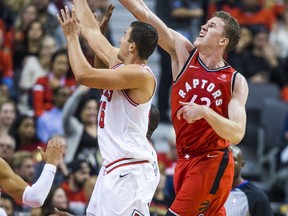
{"type": "Point", "coordinates": [129, 176]}
{"type": "Point", "coordinates": [122, 126]}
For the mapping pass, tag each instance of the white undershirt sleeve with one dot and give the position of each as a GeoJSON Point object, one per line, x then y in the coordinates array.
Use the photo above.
{"type": "Point", "coordinates": [35, 195]}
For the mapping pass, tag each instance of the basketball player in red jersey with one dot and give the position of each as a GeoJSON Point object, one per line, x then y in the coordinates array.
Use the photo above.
{"type": "Point", "coordinates": [208, 110]}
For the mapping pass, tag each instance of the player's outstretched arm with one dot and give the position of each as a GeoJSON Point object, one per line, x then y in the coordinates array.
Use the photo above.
{"type": "Point", "coordinates": [126, 77]}
{"type": "Point", "coordinates": [141, 12]}
{"type": "Point", "coordinates": [171, 41]}
{"type": "Point", "coordinates": [98, 63]}
{"type": "Point", "coordinates": [36, 194]}
{"type": "Point", "coordinates": [90, 29]}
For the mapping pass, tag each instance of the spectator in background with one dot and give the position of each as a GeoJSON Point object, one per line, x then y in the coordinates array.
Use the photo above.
{"type": "Point", "coordinates": [46, 130]}
{"type": "Point", "coordinates": [164, 12]}
{"type": "Point", "coordinates": [30, 45]}
{"type": "Point", "coordinates": [225, 5]}
{"type": "Point", "coordinates": [4, 93]}
{"type": "Point", "coordinates": [237, 55]}
{"type": "Point", "coordinates": [6, 13]}
{"type": "Point", "coordinates": [57, 198]}
{"type": "Point", "coordinates": [57, 76]}
{"type": "Point", "coordinates": [252, 13]}
{"type": "Point", "coordinates": [6, 63]}
{"type": "Point", "coordinates": [161, 201]}
{"type": "Point", "coordinates": [80, 126]}
{"type": "Point", "coordinates": [7, 116]}
{"type": "Point", "coordinates": [26, 15]}
{"type": "Point", "coordinates": [8, 204]}
{"type": "Point", "coordinates": [261, 65]}
{"type": "Point", "coordinates": [24, 132]}
{"type": "Point", "coordinates": [167, 162]}
{"type": "Point", "coordinates": [23, 165]}
{"type": "Point", "coordinates": [188, 17]}
{"type": "Point", "coordinates": [7, 148]}
{"type": "Point", "coordinates": [50, 22]}
{"type": "Point", "coordinates": [18, 34]}
{"type": "Point", "coordinates": [245, 197]}
{"type": "Point", "coordinates": [278, 37]}
{"type": "Point", "coordinates": [34, 67]}
{"type": "Point", "coordinates": [80, 172]}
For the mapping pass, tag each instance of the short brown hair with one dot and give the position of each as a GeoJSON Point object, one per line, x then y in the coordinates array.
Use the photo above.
{"type": "Point", "coordinates": [231, 29]}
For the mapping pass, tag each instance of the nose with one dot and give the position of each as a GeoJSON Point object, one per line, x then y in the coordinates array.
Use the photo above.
{"type": "Point", "coordinates": [204, 26]}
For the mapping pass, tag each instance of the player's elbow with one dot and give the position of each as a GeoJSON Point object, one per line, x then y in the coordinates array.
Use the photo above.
{"type": "Point", "coordinates": [35, 202]}
{"type": "Point", "coordinates": [81, 75]}
{"type": "Point", "coordinates": [237, 137]}
{"type": "Point", "coordinates": [38, 202]}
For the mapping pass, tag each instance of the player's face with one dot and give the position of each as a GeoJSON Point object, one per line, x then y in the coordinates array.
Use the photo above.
{"type": "Point", "coordinates": [124, 44]}
{"type": "Point", "coordinates": [211, 34]}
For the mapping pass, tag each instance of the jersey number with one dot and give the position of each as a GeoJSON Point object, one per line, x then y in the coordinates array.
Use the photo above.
{"type": "Point", "coordinates": [102, 114]}
{"type": "Point", "coordinates": [108, 94]}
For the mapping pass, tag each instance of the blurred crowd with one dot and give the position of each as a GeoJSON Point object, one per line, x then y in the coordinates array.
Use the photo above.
{"type": "Point", "coordinates": [40, 99]}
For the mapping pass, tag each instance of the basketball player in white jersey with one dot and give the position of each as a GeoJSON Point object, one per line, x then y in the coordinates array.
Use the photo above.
{"type": "Point", "coordinates": [34, 195]}
{"type": "Point", "coordinates": [129, 175]}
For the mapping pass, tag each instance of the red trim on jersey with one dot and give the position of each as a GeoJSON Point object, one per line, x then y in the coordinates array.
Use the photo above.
{"type": "Point", "coordinates": [116, 161]}
{"type": "Point", "coordinates": [129, 99]}
{"type": "Point", "coordinates": [123, 162]}
{"type": "Point", "coordinates": [117, 65]}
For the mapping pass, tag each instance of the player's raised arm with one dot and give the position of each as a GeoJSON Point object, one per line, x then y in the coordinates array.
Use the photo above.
{"type": "Point", "coordinates": [98, 63]}
{"type": "Point", "coordinates": [90, 29]}
{"type": "Point", "coordinates": [141, 12]}
{"type": "Point", "coordinates": [36, 194]}
{"type": "Point", "coordinates": [171, 41]}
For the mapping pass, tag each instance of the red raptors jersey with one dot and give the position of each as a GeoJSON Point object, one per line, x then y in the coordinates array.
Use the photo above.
{"type": "Point", "coordinates": [203, 86]}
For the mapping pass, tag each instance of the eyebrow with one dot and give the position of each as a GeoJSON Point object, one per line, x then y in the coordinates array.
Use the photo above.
{"type": "Point", "coordinates": [212, 23]}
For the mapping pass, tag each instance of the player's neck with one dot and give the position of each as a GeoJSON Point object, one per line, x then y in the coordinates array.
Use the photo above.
{"type": "Point", "coordinates": [134, 60]}
{"type": "Point", "coordinates": [212, 61]}
{"type": "Point", "coordinates": [237, 181]}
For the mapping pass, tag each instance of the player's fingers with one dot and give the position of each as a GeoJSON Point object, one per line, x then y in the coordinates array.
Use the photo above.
{"type": "Point", "coordinates": [179, 113]}
{"type": "Point", "coordinates": [110, 10]}
{"type": "Point", "coordinates": [59, 18]}
{"type": "Point", "coordinates": [40, 150]}
{"type": "Point", "coordinates": [73, 12]}
{"type": "Point", "coordinates": [67, 12]}
{"type": "Point", "coordinates": [183, 103]}
{"type": "Point", "coordinates": [63, 15]}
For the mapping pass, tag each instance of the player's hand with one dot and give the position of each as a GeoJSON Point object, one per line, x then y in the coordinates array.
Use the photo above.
{"type": "Point", "coordinates": [60, 213]}
{"type": "Point", "coordinates": [54, 151]}
{"type": "Point", "coordinates": [105, 19]}
{"type": "Point", "coordinates": [190, 112]}
{"type": "Point", "coordinates": [69, 22]}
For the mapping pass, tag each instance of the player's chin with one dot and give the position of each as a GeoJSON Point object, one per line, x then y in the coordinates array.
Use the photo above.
{"type": "Point", "coordinates": [197, 41]}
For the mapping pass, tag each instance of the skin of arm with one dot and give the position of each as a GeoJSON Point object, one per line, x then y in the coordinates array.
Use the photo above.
{"type": "Point", "coordinates": [13, 184]}
{"type": "Point", "coordinates": [231, 128]}
{"type": "Point", "coordinates": [90, 30]}
{"type": "Point", "coordinates": [172, 42]}
{"type": "Point", "coordinates": [98, 63]}
{"type": "Point", "coordinates": [187, 12]}
{"type": "Point", "coordinates": [131, 76]}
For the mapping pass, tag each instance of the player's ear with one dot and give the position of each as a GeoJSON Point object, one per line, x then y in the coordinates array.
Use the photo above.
{"type": "Point", "coordinates": [132, 46]}
{"type": "Point", "coordinates": [224, 41]}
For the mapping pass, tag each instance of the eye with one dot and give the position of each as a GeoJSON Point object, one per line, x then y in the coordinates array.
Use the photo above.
{"type": "Point", "coordinates": [211, 25]}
